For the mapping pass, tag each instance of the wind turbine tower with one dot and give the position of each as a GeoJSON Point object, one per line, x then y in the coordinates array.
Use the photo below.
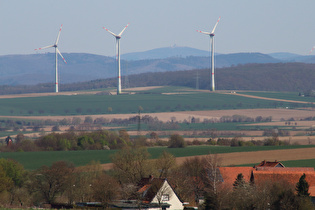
{"type": "Point", "coordinates": [118, 36]}
{"type": "Point", "coordinates": [311, 50]}
{"type": "Point", "coordinates": [211, 34]}
{"type": "Point", "coordinates": [56, 58]}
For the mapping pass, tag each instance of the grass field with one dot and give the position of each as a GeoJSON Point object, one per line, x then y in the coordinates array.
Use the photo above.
{"type": "Point", "coordinates": [281, 95]}
{"type": "Point", "coordinates": [293, 163]}
{"type": "Point", "coordinates": [151, 103]}
{"type": "Point", "coordinates": [166, 100]}
{"type": "Point", "coordinates": [34, 160]}
{"type": "Point", "coordinates": [300, 163]}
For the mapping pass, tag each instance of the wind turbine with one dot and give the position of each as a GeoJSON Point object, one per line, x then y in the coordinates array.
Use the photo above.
{"type": "Point", "coordinates": [118, 36]}
{"type": "Point", "coordinates": [211, 34]}
{"type": "Point", "coordinates": [56, 57]}
{"type": "Point", "coordinates": [312, 50]}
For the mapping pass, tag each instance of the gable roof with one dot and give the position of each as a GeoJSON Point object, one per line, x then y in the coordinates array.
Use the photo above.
{"type": "Point", "coordinates": [270, 164]}
{"type": "Point", "coordinates": [288, 169]}
{"type": "Point", "coordinates": [149, 187]}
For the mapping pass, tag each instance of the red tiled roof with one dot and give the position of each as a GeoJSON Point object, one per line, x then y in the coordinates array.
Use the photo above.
{"type": "Point", "coordinates": [149, 187]}
{"type": "Point", "coordinates": [144, 188]}
{"type": "Point", "coordinates": [270, 164]}
{"type": "Point", "coordinates": [229, 174]}
{"type": "Point", "coordinates": [288, 176]}
{"type": "Point", "coordinates": [311, 190]}
{"type": "Point", "coordinates": [263, 174]}
{"type": "Point", "coordinates": [301, 169]}
{"type": "Point", "coordinates": [291, 177]}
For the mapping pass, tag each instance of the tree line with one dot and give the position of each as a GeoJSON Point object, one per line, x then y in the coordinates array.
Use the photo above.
{"type": "Point", "coordinates": [259, 77]}
{"type": "Point", "coordinates": [152, 123]}
{"type": "Point", "coordinates": [62, 185]}
{"type": "Point", "coordinates": [106, 139]}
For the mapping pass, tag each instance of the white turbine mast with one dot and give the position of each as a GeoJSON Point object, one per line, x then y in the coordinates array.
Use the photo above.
{"type": "Point", "coordinates": [211, 34]}
{"type": "Point", "coordinates": [118, 36]}
{"type": "Point", "coordinates": [312, 50]}
{"type": "Point", "coordinates": [56, 57]}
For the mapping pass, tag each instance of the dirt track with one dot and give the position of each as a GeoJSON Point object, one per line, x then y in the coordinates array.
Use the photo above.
{"type": "Point", "coordinates": [277, 114]}
{"type": "Point", "coordinates": [270, 99]}
{"type": "Point", "coordinates": [227, 159]}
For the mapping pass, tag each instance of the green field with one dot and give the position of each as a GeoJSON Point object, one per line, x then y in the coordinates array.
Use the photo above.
{"type": "Point", "coordinates": [151, 103]}
{"type": "Point", "coordinates": [292, 163]}
{"type": "Point", "coordinates": [34, 160]}
{"type": "Point", "coordinates": [281, 95]}
{"type": "Point", "coordinates": [299, 163]}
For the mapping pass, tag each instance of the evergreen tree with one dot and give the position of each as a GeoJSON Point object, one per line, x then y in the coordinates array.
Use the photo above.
{"type": "Point", "coordinates": [302, 187]}
{"type": "Point", "coordinates": [239, 181]}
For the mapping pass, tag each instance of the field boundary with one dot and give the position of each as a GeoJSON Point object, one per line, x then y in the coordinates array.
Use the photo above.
{"type": "Point", "coordinates": [271, 99]}
{"type": "Point", "coordinates": [240, 158]}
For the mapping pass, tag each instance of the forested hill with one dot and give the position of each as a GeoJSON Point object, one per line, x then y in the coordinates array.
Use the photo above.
{"type": "Point", "coordinates": [82, 67]}
{"type": "Point", "coordinates": [260, 77]}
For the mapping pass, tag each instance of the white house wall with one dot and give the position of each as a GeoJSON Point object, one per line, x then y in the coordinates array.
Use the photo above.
{"type": "Point", "coordinates": [174, 201]}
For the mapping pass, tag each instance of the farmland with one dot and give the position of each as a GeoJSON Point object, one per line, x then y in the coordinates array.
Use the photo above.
{"type": "Point", "coordinates": [174, 100]}
{"type": "Point", "coordinates": [177, 104]}
{"type": "Point", "coordinates": [33, 160]}
{"type": "Point", "coordinates": [281, 95]}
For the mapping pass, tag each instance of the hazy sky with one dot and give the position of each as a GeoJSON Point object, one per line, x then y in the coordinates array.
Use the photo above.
{"type": "Point", "coordinates": [246, 25]}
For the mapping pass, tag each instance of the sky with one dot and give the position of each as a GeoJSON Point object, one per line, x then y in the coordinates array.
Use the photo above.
{"type": "Point", "coordinates": [267, 26]}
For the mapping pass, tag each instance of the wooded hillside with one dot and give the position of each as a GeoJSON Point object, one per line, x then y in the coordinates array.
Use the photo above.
{"type": "Point", "coordinates": [261, 77]}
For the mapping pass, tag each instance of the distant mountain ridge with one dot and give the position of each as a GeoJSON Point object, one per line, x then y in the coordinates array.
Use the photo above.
{"type": "Point", "coordinates": [165, 52]}
{"type": "Point", "coordinates": [293, 77]}
{"type": "Point", "coordinates": [39, 68]}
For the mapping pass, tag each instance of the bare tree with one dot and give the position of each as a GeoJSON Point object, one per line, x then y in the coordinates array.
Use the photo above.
{"type": "Point", "coordinates": [211, 179]}
{"type": "Point", "coordinates": [51, 181]}
{"type": "Point", "coordinates": [211, 172]}
{"type": "Point", "coordinates": [131, 164]}
{"type": "Point", "coordinates": [105, 189]}
{"type": "Point", "coordinates": [164, 164]}
{"type": "Point", "coordinates": [188, 179]}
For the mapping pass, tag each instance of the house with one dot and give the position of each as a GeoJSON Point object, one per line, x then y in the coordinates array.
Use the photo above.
{"type": "Point", "coordinates": [274, 164]}
{"type": "Point", "coordinates": [159, 191]}
{"type": "Point", "coordinates": [154, 193]}
{"type": "Point", "coordinates": [269, 172]}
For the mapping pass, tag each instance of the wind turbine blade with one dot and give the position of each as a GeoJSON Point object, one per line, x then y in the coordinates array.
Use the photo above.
{"type": "Point", "coordinates": [57, 40]}
{"type": "Point", "coordinates": [215, 25]}
{"type": "Point", "coordinates": [312, 50]}
{"type": "Point", "coordinates": [110, 32]}
{"type": "Point", "coordinates": [61, 55]}
{"type": "Point", "coordinates": [203, 32]}
{"type": "Point", "coordinates": [123, 30]}
{"type": "Point", "coordinates": [41, 48]}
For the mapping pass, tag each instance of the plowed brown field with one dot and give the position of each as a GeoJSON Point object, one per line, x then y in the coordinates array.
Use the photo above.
{"type": "Point", "coordinates": [239, 158]}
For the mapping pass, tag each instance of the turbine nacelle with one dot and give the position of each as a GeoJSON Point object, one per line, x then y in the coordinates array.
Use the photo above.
{"type": "Point", "coordinates": [118, 36]}
{"type": "Point", "coordinates": [211, 34]}
{"type": "Point", "coordinates": [56, 52]}
{"type": "Point", "coordinates": [311, 50]}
